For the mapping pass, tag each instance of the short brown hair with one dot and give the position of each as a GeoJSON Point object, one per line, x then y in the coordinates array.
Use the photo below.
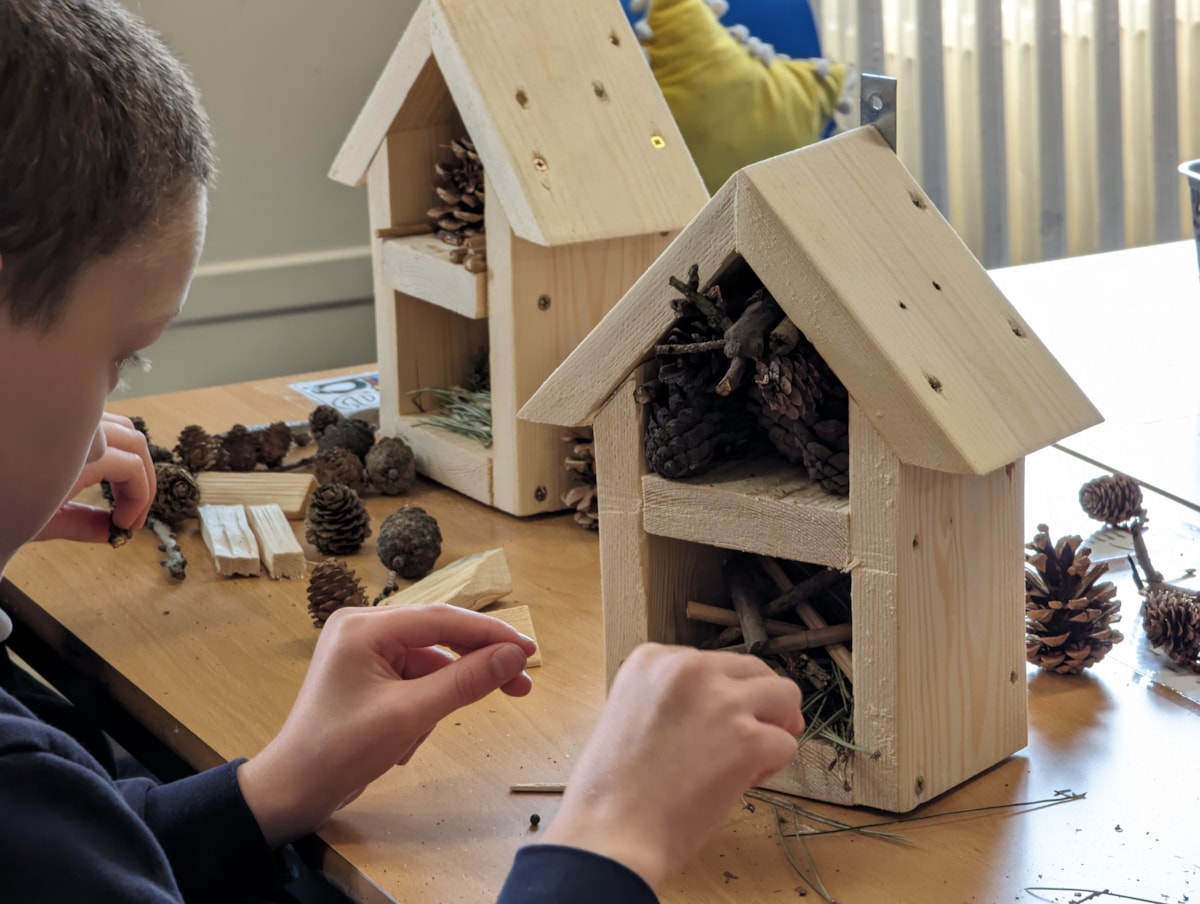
{"type": "Point", "coordinates": [101, 134]}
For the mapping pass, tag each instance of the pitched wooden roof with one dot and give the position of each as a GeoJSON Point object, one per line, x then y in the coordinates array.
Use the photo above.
{"type": "Point", "coordinates": [572, 128]}
{"type": "Point", "coordinates": [863, 263]}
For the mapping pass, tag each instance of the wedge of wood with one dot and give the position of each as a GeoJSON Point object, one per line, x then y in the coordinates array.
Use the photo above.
{"type": "Point", "coordinates": [472, 582]}
{"type": "Point", "coordinates": [521, 619]}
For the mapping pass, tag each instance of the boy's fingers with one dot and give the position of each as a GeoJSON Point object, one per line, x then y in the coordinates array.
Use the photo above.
{"type": "Point", "coordinates": [460, 683]}
{"type": "Point", "coordinates": [76, 521]}
{"type": "Point", "coordinates": [438, 625]}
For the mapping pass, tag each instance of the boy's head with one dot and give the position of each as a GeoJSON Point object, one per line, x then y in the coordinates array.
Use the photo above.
{"type": "Point", "coordinates": [101, 136]}
{"type": "Point", "coordinates": [104, 161]}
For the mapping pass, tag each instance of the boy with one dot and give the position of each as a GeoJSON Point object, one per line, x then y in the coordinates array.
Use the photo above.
{"type": "Point", "coordinates": [104, 164]}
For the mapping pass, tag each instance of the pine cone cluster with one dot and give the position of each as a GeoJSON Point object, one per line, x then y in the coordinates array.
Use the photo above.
{"type": "Point", "coordinates": [458, 218]}
{"type": "Point", "coordinates": [239, 449]}
{"type": "Point", "coordinates": [1171, 620]}
{"type": "Point", "coordinates": [582, 463]}
{"type": "Point", "coordinates": [321, 417]}
{"type": "Point", "coordinates": [1068, 615]}
{"type": "Point", "coordinates": [332, 585]}
{"type": "Point", "coordinates": [197, 450]}
{"type": "Point", "coordinates": [351, 433]}
{"type": "Point", "coordinates": [274, 443]}
{"type": "Point", "coordinates": [1112, 499]}
{"type": "Point", "coordinates": [410, 542]}
{"type": "Point", "coordinates": [391, 466]}
{"type": "Point", "coordinates": [337, 522]}
{"type": "Point", "coordinates": [339, 465]}
{"type": "Point", "coordinates": [176, 495]}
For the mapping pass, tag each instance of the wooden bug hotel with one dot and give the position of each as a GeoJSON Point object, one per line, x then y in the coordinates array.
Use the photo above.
{"type": "Point", "coordinates": [541, 147]}
{"type": "Point", "coordinates": [914, 504]}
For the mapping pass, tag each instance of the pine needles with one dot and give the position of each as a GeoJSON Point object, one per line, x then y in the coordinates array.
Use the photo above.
{"type": "Point", "coordinates": [465, 410]}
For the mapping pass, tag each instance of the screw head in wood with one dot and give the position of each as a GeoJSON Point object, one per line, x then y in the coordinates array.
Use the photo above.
{"type": "Point", "coordinates": [543, 302]}
{"type": "Point", "coordinates": [657, 141]}
{"type": "Point", "coordinates": [540, 494]}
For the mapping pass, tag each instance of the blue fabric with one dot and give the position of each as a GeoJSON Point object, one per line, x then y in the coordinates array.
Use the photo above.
{"type": "Point", "coordinates": [553, 874]}
{"type": "Point", "coordinates": [788, 25]}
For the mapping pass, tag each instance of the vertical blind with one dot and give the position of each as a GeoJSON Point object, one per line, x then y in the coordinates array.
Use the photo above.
{"type": "Point", "coordinates": [1041, 128]}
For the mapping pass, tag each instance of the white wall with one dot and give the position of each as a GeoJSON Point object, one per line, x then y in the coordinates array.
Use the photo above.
{"type": "Point", "coordinates": [285, 281]}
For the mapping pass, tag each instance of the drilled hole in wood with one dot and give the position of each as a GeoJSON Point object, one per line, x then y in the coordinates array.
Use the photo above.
{"type": "Point", "coordinates": [543, 302]}
{"type": "Point", "coordinates": [919, 787]}
{"type": "Point", "coordinates": [934, 383]}
{"type": "Point", "coordinates": [657, 141]}
{"type": "Point", "coordinates": [1012, 677]}
{"type": "Point", "coordinates": [540, 164]}
{"type": "Point", "coordinates": [614, 39]}
{"type": "Point", "coordinates": [917, 200]}
{"type": "Point", "coordinates": [1016, 329]}
{"type": "Point", "coordinates": [522, 97]}
{"type": "Point", "coordinates": [936, 285]}
{"type": "Point", "coordinates": [916, 542]}
{"type": "Point", "coordinates": [599, 90]}
{"type": "Point", "coordinates": [903, 306]}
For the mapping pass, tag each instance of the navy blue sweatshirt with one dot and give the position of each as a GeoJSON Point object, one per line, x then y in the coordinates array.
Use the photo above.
{"type": "Point", "coordinates": [69, 833]}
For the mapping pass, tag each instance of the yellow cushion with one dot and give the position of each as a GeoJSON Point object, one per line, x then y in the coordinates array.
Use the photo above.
{"type": "Point", "coordinates": [732, 108]}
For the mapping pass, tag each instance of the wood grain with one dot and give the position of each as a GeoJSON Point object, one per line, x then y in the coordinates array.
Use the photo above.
{"type": "Point", "coordinates": [420, 266]}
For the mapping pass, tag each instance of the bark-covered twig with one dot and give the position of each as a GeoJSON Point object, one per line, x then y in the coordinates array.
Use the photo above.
{"type": "Point", "coordinates": [175, 562]}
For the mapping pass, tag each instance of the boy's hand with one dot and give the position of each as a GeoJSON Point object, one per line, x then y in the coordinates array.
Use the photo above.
{"type": "Point", "coordinates": [684, 732]}
{"type": "Point", "coordinates": [376, 687]}
{"type": "Point", "coordinates": [127, 467]}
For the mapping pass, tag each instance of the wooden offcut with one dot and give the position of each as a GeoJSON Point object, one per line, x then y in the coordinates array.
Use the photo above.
{"type": "Point", "coordinates": [227, 535]}
{"type": "Point", "coordinates": [289, 491]}
{"type": "Point", "coordinates": [471, 582]}
{"type": "Point", "coordinates": [520, 618]}
{"type": "Point", "coordinates": [573, 217]}
{"type": "Point", "coordinates": [278, 547]}
{"type": "Point", "coordinates": [949, 390]}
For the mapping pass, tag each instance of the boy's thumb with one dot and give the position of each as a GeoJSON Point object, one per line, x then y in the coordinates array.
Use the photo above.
{"type": "Point", "coordinates": [470, 678]}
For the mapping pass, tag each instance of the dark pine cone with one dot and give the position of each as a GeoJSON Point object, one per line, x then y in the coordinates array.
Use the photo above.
{"type": "Point", "coordinates": [1111, 499]}
{"type": "Point", "coordinates": [351, 433]}
{"type": "Point", "coordinates": [331, 586]}
{"type": "Point", "coordinates": [337, 521]}
{"type": "Point", "coordinates": [197, 450]}
{"type": "Point", "coordinates": [1172, 623]}
{"type": "Point", "coordinates": [338, 465]}
{"type": "Point", "coordinates": [177, 494]}
{"type": "Point", "coordinates": [240, 449]}
{"type": "Point", "coordinates": [690, 428]}
{"type": "Point", "coordinates": [274, 443]}
{"type": "Point", "coordinates": [161, 454]}
{"type": "Point", "coordinates": [321, 417]}
{"type": "Point", "coordinates": [391, 467]}
{"type": "Point", "coordinates": [410, 542]}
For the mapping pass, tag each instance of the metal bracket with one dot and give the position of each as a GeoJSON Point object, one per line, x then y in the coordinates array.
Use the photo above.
{"type": "Point", "coordinates": [878, 105]}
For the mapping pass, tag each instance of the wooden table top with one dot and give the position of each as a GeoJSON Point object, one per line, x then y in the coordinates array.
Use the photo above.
{"type": "Point", "coordinates": [212, 665]}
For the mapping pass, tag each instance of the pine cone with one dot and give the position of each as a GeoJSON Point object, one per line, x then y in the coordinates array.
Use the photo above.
{"type": "Point", "coordinates": [337, 521]}
{"type": "Point", "coordinates": [321, 417]}
{"type": "Point", "coordinates": [1111, 499]}
{"type": "Point", "coordinates": [240, 449]}
{"type": "Point", "coordinates": [331, 586]}
{"type": "Point", "coordinates": [582, 463]}
{"type": "Point", "coordinates": [410, 542]}
{"type": "Point", "coordinates": [161, 454]}
{"type": "Point", "coordinates": [1172, 623]}
{"type": "Point", "coordinates": [351, 433]}
{"type": "Point", "coordinates": [197, 450]}
{"type": "Point", "coordinates": [459, 188]}
{"type": "Point", "coordinates": [274, 443]}
{"type": "Point", "coordinates": [338, 465]}
{"type": "Point", "coordinates": [1068, 615]}
{"type": "Point", "coordinates": [391, 466]}
{"type": "Point", "coordinates": [176, 496]}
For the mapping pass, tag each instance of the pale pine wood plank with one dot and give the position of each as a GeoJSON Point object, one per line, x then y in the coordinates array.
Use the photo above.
{"type": "Point", "coordinates": [621, 168]}
{"type": "Point", "coordinates": [409, 91]}
{"type": "Point", "coordinates": [471, 582]}
{"type": "Point", "coordinates": [763, 505]}
{"type": "Point", "coordinates": [278, 547]}
{"type": "Point", "coordinates": [289, 491]}
{"type": "Point", "coordinates": [420, 266]}
{"type": "Point", "coordinates": [228, 537]}
{"type": "Point", "coordinates": [458, 462]}
{"type": "Point", "coordinates": [522, 619]}
{"type": "Point", "coordinates": [575, 391]}
{"type": "Point", "coordinates": [543, 302]}
{"type": "Point", "coordinates": [943, 365]}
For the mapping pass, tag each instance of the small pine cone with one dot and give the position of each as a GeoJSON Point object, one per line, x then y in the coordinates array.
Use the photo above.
{"type": "Point", "coordinates": [1172, 623]}
{"type": "Point", "coordinates": [274, 443]}
{"type": "Point", "coordinates": [1111, 499]}
{"type": "Point", "coordinates": [337, 521]}
{"type": "Point", "coordinates": [391, 466]}
{"type": "Point", "coordinates": [338, 465]}
{"type": "Point", "coordinates": [391, 587]}
{"type": "Point", "coordinates": [321, 417]}
{"type": "Point", "coordinates": [176, 496]}
{"type": "Point", "coordinates": [331, 586]}
{"type": "Point", "coordinates": [161, 454]}
{"type": "Point", "coordinates": [410, 542]}
{"type": "Point", "coordinates": [1068, 614]}
{"type": "Point", "coordinates": [351, 433]}
{"type": "Point", "coordinates": [459, 187]}
{"type": "Point", "coordinates": [240, 448]}
{"type": "Point", "coordinates": [197, 450]}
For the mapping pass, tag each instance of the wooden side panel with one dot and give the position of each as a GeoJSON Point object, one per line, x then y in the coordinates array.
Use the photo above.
{"type": "Point", "coordinates": [568, 118]}
{"type": "Point", "coordinates": [458, 462]}
{"type": "Point", "coordinates": [420, 265]}
{"type": "Point", "coordinates": [938, 601]}
{"type": "Point", "coordinates": [542, 303]}
{"type": "Point", "coordinates": [595, 368]}
{"type": "Point", "coordinates": [943, 365]}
